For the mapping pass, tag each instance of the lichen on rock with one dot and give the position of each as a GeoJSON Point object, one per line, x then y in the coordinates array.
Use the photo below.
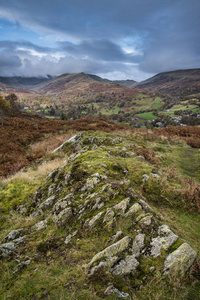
{"type": "Point", "coordinates": [166, 238]}
{"type": "Point", "coordinates": [63, 217]}
{"type": "Point", "coordinates": [109, 218]}
{"type": "Point", "coordinates": [147, 222]}
{"type": "Point", "coordinates": [89, 224]}
{"type": "Point", "coordinates": [122, 206]}
{"type": "Point", "coordinates": [138, 244]}
{"type": "Point", "coordinates": [125, 266]}
{"type": "Point", "coordinates": [112, 250]}
{"type": "Point", "coordinates": [133, 210]}
{"type": "Point", "coordinates": [180, 260]}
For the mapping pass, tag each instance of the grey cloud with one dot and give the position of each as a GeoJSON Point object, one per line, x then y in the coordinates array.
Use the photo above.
{"type": "Point", "coordinates": [89, 56]}
{"type": "Point", "coordinates": [14, 45]}
{"type": "Point", "coordinates": [175, 52]}
{"type": "Point", "coordinates": [105, 18]}
{"type": "Point", "coordinates": [9, 63]}
{"type": "Point", "coordinates": [9, 60]}
{"type": "Point", "coordinates": [25, 64]}
{"type": "Point", "coordinates": [99, 50]}
{"type": "Point", "coordinates": [166, 33]}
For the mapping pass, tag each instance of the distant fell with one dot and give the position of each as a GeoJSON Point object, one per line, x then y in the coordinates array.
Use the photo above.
{"type": "Point", "coordinates": [127, 83]}
{"type": "Point", "coordinates": [81, 84]}
{"type": "Point", "coordinates": [24, 82]}
{"type": "Point", "coordinates": [174, 82]}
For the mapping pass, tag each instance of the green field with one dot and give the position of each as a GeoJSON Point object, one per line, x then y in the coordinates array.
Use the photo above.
{"type": "Point", "coordinates": [144, 102]}
{"type": "Point", "coordinates": [147, 116]}
{"type": "Point", "coordinates": [107, 111]}
{"type": "Point", "coordinates": [183, 106]}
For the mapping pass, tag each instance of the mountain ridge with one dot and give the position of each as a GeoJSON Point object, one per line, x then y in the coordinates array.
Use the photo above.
{"type": "Point", "coordinates": [161, 82]}
{"type": "Point", "coordinates": [173, 81]}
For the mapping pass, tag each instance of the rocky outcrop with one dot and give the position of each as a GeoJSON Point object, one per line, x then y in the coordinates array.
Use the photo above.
{"type": "Point", "coordinates": [62, 218]}
{"type": "Point", "coordinates": [111, 251]}
{"type": "Point", "coordinates": [134, 209]}
{"type": "Point", "coordinates": [91, 223]}
{"type": "Point", "coordinates": [111, 290]}
{"type": "Point", "coordinates": [125, 266]}
{"type": "Point", "coordinates": [10, 247]}
{"type": "Point", "coordinates": [93, 197]}
{"type": "Point", "coordinates": [166, 238]}
{"type": "Point", "coordinates": [179, 261]}
{"type": "Point", "coordinates": [138, 244]}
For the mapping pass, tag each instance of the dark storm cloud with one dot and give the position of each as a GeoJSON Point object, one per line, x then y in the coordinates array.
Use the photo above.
{"type": "Point", "coordinates": [9, 60]}
{"type": "Point", "coordinates": [162, 34]}
{"type": "Point", "coordinates": [180, 55]}
{"type": "Point", "coordinates": [9, 63]}
{"type": "Point", "coordinates": [99, 50]}
{"type": "Point", "coordinates": [89, 19]}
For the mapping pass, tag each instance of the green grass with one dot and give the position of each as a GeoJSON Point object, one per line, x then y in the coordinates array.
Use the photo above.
{"type": "Point", "coordinates": [51, 117]}
{"type": "Point", "coordinates": [188, 162]}
{"type": "Point", "coordinates": [183, 106]}
{"type": "Point", "coordinates": [157, 103]}
{"type": "Point", "coordinates": [108, 111]}
{"type": "Point", "coordinates": [146, 102]}
{"type": "Point", "coordinates": [147, 116]}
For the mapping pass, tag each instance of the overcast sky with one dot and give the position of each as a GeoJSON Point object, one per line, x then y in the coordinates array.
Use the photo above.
{"type": "Point", "coordinates": [116, 39]}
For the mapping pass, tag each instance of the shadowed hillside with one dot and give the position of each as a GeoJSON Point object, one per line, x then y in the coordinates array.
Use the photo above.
{"type": "Point", "coordinates": [174, 83]}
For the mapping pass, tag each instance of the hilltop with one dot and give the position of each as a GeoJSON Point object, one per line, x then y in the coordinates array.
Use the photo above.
{"type": "Point", "coordinates": [105, 216]}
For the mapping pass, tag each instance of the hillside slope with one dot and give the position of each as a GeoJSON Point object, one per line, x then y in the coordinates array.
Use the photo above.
{"type": "Point", "coordinates": [175, 83]}
{"type": "Point", "coordinates": [112, 221]}
{"type": "Point", "coordinates": [19, 135]}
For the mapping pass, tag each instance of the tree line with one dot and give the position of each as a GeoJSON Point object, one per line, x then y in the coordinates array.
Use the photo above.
{"type": "Point", "coordinates": [9, 106]}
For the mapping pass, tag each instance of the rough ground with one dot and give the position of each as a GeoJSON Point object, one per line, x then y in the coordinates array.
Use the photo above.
{"type": "Point", "coordinates": [97, 226]}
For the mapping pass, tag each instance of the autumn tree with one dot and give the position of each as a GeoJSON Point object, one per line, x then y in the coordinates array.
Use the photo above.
{"type": "Point", "coordinates": [12, 99]}
{"type": "Point", "coordinates": [4, 109]}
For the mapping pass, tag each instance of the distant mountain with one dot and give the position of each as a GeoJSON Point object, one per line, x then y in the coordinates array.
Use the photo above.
{"type": "Point", "coordinates": [167, 82]}
{"type": "Point", "coordinates": [175, 83]}
{"type": "Point", "coordinates": [57, 83]}
{"type": "Point", "coordinates": [10, 88]}
{"type": "Point", "coordinates": [65, 82]}
{"type": "Point", "coordinates": [79, 84]}
{"type": "Point", "coordinates": [24, 82]}
{"type": "Point", "coordinates": [127, 83]}
{"type": "Point", "coordinates": [21, 85]}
